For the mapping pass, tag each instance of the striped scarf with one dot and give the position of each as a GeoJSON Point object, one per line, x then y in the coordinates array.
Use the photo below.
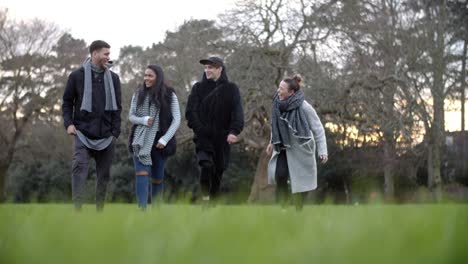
{"type": "Point", "coordinates": [143, 138]}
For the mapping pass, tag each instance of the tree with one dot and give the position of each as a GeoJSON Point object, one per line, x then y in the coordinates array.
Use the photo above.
{"type": "Point", "coordinates": [459, 16]}
{"type": "Point", "coordinates": [26, 81]}
{"type": "Point", "coordinates": [458, 12]}
{"type": "Point", "coordinates": [430, 70]}
{"type": "Point", "coordinates": [375, 75]}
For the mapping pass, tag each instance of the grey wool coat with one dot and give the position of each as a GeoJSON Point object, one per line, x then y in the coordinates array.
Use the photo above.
{"type": "Point", "coordinates": [301, 158]}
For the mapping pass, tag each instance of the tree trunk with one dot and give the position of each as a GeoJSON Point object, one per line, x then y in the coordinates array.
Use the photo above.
{"type": "Point", "coordinates": [3, 175]}
{"type": "Point", "coordinates": [260, 190]}
{"type": "Point", "coordinates": [389, 142]}
{"type": "Point", "coordinates": [430, 168]}
{"type": "Point", "coordinates": [462, 101]}
{"type": "Point", "coordinates": [390, 126]}
{"type": "Point", "coordinates": [463, 86]}
{"type": "Point", "coordinates": [437, 135]}
{"type": "Point", "coordinates": [389, 146]}
{"type": "Point", "coordinates": [346, 190]}
{"type": "Point", "coordinates": [438, 96]}
{"type": "Point", "coordinates": [4, 166]}
{"type": "Point", "coordinates": [433, 167]}
{"type": "Point", "coordinates": [389, 185]}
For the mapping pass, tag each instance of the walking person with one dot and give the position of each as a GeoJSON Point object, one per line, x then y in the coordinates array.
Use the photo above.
{"type": "Point", "coordinates": [296, 135]}
{"type": "Point", "coordinates": [91, 111]}
{"type": "Point", "coordinates": [214, 113]}
{"type": "Point", "coordinates": [155, 114]}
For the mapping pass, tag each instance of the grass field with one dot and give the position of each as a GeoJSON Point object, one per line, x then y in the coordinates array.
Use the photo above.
{"type": "Point", "coordinates": [54, 233]}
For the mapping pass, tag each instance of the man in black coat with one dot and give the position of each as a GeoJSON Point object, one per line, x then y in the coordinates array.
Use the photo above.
{"type": "Point", "coordinates": [91, 113]}
{"type": "Point", "coordinates": [214, 113]}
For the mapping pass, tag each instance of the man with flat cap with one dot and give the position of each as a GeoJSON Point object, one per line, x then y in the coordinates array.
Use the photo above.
{"type": "Point", "coordinates": [214, 113]}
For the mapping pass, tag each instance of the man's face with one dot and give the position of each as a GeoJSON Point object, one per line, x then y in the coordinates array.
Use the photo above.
{"type": "Point", "coordinates": [101, 57]}
{"type": "Point", "coordinates": [212, 72]}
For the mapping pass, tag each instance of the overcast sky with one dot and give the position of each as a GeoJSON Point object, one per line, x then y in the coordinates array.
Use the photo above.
{"type": "Point", "coordinates": [134, 22]}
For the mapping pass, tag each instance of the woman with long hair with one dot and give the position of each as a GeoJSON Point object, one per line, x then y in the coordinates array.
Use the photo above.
{"type": "Point", "coordinates": [155, 114]}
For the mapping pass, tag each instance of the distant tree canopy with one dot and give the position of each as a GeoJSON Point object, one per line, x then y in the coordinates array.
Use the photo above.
{"type": "Point", "coordinates": [380, 73]}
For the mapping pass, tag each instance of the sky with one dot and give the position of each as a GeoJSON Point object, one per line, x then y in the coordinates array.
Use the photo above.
{"type": "Point", "coordinates": [120, 23]}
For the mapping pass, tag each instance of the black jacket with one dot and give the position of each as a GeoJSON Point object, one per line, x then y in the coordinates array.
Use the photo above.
{"type": "Point", "coordinates": [214, 109]}
{"type": "Point", "coordinates": [99, 123]}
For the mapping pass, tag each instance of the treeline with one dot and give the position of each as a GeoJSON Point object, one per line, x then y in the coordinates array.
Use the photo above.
{"type": "Point", "coordinates": [380, 73]}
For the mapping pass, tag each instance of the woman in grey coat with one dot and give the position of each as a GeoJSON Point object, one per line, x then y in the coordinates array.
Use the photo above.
{"type": "Point", "coordinates": [296, 134]}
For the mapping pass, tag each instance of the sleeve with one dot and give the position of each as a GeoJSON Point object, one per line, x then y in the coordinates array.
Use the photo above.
{"type": "Point", "coordinates": [191, 111]}
{"type": "Point", "coordinates": [175, 110]}
{"type": "Point", "coordinates": [317, 129]}
{"type": "Point", "coordinates": [132, 116]}
{"type": "Point", "coordinates": [237, 114]}
{"type": "Point", "coordinates": [68, 101]}
{"type": "Point", "coordinates": [116, 115]}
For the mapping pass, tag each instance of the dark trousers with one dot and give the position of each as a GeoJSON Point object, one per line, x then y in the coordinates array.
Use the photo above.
{"type": "Point", "coordinates": [283, 194]}
{"type": "Point", "coordinates": [211, 174]}
{"type": "Point", "coordinates": [213, 159]}
{"type": "Point", "coordinates": [210, 181]}
{"type": "Point", "coordinates": [81, 157]}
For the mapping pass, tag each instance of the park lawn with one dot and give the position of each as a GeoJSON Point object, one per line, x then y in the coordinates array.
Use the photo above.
{"type": "Point", "coordinates": [54, 233]}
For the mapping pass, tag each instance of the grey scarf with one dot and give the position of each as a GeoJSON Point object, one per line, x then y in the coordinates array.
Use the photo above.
{"type": "Point", "coordinates": [86, 104]}
{"type": "Point", "coordinates": [288, 115]}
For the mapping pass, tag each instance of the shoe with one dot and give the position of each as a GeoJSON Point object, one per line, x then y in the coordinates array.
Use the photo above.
{"type": "Point", "coordinates": [205, 202]}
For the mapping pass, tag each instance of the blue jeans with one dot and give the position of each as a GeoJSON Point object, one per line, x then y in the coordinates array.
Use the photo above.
{"type": "Point", "coordinates": [144, 173]}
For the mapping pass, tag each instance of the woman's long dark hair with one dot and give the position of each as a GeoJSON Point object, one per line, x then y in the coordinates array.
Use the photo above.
{"type": "Point", "coordinates": [160, 94]}
{"type": "Point", "coordinates": [157, 91]}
